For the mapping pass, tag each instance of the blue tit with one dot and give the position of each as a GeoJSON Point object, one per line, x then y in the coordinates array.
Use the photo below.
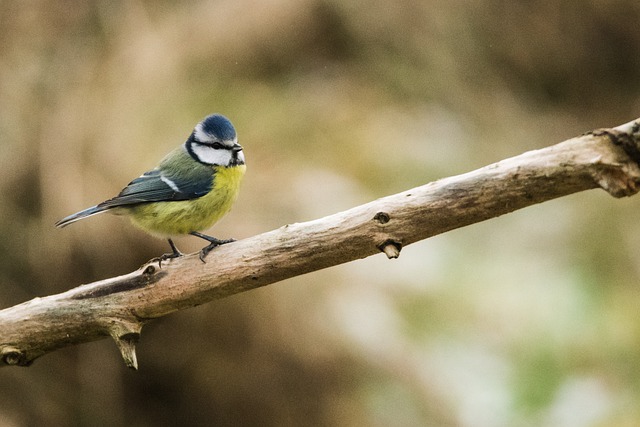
{"type": "Point", "coordinates": [192, 188]}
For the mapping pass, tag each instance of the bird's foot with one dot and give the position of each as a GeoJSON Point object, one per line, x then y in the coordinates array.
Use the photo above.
{"type": "Point", "coordinates": [211, 246]}
{"type": "Point", "coordinates": [213, 243]}
{"type": "Point", "coordinates": [174, 254]}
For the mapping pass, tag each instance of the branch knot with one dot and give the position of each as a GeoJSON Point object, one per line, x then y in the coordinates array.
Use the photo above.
{"type": "Point", "coordinates": [382, 217]}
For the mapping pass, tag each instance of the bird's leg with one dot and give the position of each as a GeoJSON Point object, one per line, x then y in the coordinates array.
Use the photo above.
{"type": "Point", "coordinates": [175, 253]}
{"type": "Point", "coordinates": [213, 243]}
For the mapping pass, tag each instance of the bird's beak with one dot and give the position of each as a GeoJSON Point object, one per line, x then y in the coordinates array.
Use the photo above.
{"type": "Point", "coordinates": [236, 148]}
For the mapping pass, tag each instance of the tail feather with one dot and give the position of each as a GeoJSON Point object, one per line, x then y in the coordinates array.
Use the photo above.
{"type": "Point", "coordinates": [94, 210]}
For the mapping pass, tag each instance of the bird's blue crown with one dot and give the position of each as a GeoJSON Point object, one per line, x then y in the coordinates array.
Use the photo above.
{"type": "Point", "coordinates": [219, 126]}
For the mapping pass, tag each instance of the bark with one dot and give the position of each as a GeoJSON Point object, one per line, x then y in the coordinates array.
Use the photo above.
{"type": "Point", "coordinates": [120, 306]}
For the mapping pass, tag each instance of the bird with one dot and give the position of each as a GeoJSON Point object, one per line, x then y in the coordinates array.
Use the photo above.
{"type": "Point", "coordinates": [190, 190]}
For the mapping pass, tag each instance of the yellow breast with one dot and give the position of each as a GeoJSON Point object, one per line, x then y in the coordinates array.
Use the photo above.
{"type": "Point", "coordinates": [166, 219]}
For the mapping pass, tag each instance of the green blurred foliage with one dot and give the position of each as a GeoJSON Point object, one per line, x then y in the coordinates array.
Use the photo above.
{"type": "Point", "coordinates": [529, 319]}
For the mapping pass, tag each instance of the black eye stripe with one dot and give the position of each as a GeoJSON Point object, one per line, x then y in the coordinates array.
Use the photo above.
{"type": "Point", "coordinates": [214, 145]}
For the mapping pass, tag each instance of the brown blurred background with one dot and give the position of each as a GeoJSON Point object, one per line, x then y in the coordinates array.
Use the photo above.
{"type": "Point", "coordinates": [529, 319]}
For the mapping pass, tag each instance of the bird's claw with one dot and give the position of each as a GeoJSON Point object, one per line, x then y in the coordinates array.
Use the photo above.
{"type": "Point", "coordinates": [165, 257]}
{"type": "Point", "coordinates": [211, 246]}
{"type": "Point", "coordinates": [174, 254]}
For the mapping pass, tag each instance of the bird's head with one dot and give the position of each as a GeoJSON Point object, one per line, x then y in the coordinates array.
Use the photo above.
{"type": "Point", "coordinates": [214, 142]}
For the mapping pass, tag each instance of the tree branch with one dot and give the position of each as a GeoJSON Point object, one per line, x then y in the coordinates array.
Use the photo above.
{"type": "Point", "coordinates": [120, 306]}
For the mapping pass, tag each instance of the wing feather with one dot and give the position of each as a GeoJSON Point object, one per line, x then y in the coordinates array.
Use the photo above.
{"type": "Point", "coordinates": [158, 185]}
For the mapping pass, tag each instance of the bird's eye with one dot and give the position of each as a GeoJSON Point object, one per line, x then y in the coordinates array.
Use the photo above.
{"type": "Point", "coordinates": [216, 145]}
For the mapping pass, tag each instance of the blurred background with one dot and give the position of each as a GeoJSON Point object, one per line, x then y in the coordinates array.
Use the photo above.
{"type": "Point", "coordinates": [529, 319]}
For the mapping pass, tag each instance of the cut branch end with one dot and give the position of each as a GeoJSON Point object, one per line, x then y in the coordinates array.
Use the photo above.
{"type": "Point", "coordinates": [391, 248]}
{"type": "Point", "coordinates": [14, 357]}
{"type": "Point", "coordinates": [126, 335]}
{"type": "Point", "coordinates": [127, 346]}
{"type": "Point", "coordinates": [620, 177]}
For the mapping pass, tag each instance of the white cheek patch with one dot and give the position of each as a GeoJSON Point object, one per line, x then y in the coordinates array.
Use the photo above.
{"type": "Point", "coordinates": [211, 156]}
{"type": "Point", "coordinates": [200, 134]}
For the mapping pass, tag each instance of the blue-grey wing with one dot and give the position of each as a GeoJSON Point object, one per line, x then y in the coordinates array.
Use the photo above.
{"type": "Point", "coordinates": [160, 186]}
